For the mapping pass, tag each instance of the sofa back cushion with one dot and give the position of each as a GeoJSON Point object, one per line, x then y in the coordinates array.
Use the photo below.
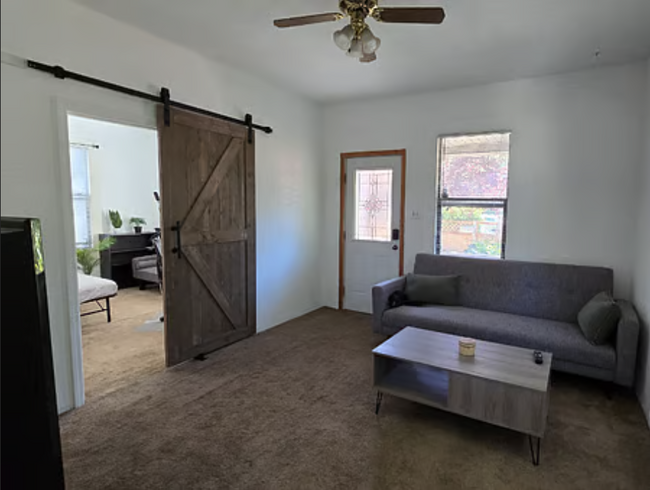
{"type": "Point", "coordinates": [598, 318]}
{"type": "Point", "coordinates": [425, 289]}
{"type": "Point", "coordinates": [550, 291]}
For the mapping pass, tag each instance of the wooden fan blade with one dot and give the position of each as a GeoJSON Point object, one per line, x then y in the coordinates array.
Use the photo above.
{"type": "Point", "coordinates": [410, 15]}
{"type": "Point", "coordinates": [307, 19]}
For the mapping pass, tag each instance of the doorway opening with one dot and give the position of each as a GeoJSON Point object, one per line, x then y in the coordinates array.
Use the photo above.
{"type": "Point", "coordinates": [115, 182]}
{"type": "Point", "coordinates": [371, 238]}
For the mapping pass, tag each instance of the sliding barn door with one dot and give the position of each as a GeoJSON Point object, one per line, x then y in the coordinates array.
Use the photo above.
{"type": "Point", "coordinates": [208, 210]}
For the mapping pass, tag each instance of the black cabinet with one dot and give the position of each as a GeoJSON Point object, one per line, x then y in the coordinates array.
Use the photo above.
{"type": "Point", "coordinates": [116, 261]}
{"type": "Point", "coordinates": [31, 445]}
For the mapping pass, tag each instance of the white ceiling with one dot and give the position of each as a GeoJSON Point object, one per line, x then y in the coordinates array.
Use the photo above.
{"type": "Point", "coordinates": [481, 41]}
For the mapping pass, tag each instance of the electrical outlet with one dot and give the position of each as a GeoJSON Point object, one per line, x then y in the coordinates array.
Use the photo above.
{"type": "Point", "coordinates": [415, 214]}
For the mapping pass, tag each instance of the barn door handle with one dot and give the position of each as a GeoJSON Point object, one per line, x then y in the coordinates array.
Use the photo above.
{"type": "Point", "coordinates": [177, 229]}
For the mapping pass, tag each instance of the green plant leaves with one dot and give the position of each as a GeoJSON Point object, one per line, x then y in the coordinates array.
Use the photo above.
{"type": "Point", "coordinates": [88, 258]}
{"type": "Point", "coordinates": [116, 218]}
{"type": "Point", "coordinates": [135, 221]}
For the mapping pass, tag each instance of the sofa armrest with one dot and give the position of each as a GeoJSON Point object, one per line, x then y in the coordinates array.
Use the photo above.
{"type": "Point", "coordinates": [627, 339]}
{"type": "Point", "coordinates": [380, 294]}
{"type": "Point", "coordinates": [143, 262]}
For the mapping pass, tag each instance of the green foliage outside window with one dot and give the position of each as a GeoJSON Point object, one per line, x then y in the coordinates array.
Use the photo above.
{"type": "Point", "coordinates": [462, 214]}
{"type": "Point", "coordinates": [493, 249]}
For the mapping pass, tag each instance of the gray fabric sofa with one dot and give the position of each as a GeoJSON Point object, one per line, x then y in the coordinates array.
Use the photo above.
{"type": "Point", "coordinates": [527, 304]}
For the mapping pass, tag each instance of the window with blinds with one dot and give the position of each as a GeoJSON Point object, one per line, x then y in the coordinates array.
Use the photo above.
{"type": "Point", "coordinates": [80, 173]}
{"type": "Point", "coordinates": [472, 194]}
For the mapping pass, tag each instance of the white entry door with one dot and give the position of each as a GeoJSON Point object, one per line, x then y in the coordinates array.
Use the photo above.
{"type": "Point", "coordinates": [372, 226]}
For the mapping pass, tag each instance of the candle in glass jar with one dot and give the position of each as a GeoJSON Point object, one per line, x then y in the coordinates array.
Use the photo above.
{"type": "Point", "coordinates": [467, 347]}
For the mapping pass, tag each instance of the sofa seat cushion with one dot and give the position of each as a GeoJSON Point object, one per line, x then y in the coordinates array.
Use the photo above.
{"type": "Point", "coordinates": [149, 274]}
{"type": "Point", "coordinates": [564, 340]}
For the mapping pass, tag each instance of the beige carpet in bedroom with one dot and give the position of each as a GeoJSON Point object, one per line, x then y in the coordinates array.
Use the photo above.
{"type": "Point", "coordinates": [120, 353]}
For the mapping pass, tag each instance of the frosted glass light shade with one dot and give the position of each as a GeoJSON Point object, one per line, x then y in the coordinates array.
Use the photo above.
{"type": "Point", "coordinates": [369, 41]}
{"type": "Point", "coordinates": [356, 49]}
{"type": "Point", "coordinates": [343, 37]}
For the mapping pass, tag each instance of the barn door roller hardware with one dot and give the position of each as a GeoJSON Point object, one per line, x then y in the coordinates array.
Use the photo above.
{"type": "Point", "coordinates": [164, 97]}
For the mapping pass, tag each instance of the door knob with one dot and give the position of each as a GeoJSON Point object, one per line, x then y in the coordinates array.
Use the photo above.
{"type": "Point", "coordinates": [394, 247]}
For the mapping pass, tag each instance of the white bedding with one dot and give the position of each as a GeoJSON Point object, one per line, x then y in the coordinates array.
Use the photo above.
{"type": "Point", "coordinates": [91, 287]}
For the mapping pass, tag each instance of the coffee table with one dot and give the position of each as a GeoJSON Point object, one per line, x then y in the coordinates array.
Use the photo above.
{"type": "Point", "coordinates": [500, 385]}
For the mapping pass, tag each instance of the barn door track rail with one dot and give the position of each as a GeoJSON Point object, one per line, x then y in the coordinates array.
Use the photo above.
{"type": "Point", "coordinates": [164, 98]}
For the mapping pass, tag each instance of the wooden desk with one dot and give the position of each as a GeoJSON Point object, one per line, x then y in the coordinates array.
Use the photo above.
{"type": "Point", "coordinates": [116, 261]}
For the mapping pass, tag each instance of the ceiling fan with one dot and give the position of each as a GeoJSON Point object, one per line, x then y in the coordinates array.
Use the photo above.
{"type": "Point", "coordinates": [356, 38]}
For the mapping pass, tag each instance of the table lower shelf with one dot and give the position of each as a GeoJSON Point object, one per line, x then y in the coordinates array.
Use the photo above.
{"type": "Point", "coordinates": [415, 382]}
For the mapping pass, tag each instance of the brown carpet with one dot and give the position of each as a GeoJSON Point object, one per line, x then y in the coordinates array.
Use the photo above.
{"type": "Point", "coordinates": [119, 353]}
{"type": "Point", "coordinates": [293, 408]}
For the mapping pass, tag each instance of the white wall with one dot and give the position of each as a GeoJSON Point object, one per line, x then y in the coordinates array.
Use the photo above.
{"type": "Point", "coordinates": [576, 144]}
{"type": "Point", "coordinates": [123, 172]}
{"type": "Point", "coordinates": [642, 266]}
{"type": "Point", "coordinates": [61, 32]}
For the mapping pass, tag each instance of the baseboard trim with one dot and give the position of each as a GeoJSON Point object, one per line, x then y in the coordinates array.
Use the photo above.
{"type": "Point", "coordinates": [291, 317]}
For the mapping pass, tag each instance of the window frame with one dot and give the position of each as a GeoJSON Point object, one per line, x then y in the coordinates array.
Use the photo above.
{"type": "Point", "coordinates": [497, 203]}
{"type": "Point", "coordinates": [83, 197]}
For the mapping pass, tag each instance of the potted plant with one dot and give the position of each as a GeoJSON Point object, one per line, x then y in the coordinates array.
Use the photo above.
{"type": "Point", "coordinates": [137, 223]}
{"type": "Point", "coordinates": [116, 219]}
{"type": "Point", "coordinates": [88, 258]}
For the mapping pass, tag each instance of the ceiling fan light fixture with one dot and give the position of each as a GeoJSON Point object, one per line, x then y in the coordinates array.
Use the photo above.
{"type": "Point", "coordinates": [356, 49]}
{"type": "Point", "coordinates": [343, 37]}
{"type": "Point", "coordinates": [369, 41]}
{"type": "Point", "coordinates": [356, 38]}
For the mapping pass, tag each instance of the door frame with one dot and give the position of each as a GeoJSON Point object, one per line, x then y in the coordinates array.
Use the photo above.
{"type": "Point", "coordinates": [126, 113]}
{"type": "Point", "coordinates": [343, 188]}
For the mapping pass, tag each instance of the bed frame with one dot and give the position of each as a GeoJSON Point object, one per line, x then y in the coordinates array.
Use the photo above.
{"type": "Point", "coordinates": [102, 308]}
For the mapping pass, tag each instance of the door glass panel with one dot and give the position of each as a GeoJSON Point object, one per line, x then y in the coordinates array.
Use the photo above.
{"type": "Point", "coordinates": [373, 206]}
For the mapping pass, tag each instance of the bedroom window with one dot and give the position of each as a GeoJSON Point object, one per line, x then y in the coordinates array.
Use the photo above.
{"type": "Point", "coordinates": [472, 194]}
{"type": "Point", "coordinates": [80, 172]}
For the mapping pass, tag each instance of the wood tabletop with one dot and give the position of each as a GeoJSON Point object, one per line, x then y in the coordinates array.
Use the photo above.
{"type": "Point", "coordinates": [497, 362]}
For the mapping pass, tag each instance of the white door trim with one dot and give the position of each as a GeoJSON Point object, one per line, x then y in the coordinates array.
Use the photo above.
{"type": "Point", "coordinates": [138, 115]}
{"type": "Point", "coordinates": [342, 216]}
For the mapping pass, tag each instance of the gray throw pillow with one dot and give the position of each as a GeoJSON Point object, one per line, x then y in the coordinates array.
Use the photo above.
{"type": "Point", "coordinates": [434, 290]}
{"type": "Point", "coordinates": [598, 318]}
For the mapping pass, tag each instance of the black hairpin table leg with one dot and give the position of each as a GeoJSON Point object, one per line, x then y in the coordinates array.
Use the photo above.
{"type": "Point", "coordinates": [535, 451]}
{"type": "Point", "coordinates": [380, 396]}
